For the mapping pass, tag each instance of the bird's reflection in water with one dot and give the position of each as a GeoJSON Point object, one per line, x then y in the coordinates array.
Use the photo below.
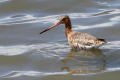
{"type": "Point", "coordinates": [84, 61]}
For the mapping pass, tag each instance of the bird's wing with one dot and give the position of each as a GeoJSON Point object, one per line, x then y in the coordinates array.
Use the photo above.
{"type": "Point", "coordinates": [81, 38]}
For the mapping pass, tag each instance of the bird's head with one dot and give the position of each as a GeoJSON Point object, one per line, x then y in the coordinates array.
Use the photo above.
{"type": "Point", "coordinates": [64, 19]}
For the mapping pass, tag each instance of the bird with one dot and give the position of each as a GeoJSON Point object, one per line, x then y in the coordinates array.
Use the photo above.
{"type": "Point", "coordinates": [77, 40]}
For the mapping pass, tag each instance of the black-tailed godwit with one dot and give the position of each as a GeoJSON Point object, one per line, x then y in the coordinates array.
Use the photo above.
{"type": "Point", "coordinates": [78, 40]}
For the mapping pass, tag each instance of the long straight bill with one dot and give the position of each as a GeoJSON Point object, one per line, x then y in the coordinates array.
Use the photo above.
{"type": "Point", "coordinates": [50, 27]}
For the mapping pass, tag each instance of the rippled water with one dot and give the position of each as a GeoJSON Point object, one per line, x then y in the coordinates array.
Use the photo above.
{"type": "Point", "coordinates": [27, 55]}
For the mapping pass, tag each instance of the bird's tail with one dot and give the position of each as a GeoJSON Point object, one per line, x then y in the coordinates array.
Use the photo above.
{"type": "Point", "coordinates": [103, 40]}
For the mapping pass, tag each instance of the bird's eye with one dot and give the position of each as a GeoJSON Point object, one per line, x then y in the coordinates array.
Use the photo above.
{"type": "Point", "coordinates": [63, 19]}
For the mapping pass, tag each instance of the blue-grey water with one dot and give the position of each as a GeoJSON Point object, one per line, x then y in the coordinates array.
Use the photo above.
{"type": "Point", "coordinates": [27, 55]}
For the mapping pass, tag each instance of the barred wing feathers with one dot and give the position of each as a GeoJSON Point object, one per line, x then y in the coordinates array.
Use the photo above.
{"type": "Point", "coordinates": [82, 40]}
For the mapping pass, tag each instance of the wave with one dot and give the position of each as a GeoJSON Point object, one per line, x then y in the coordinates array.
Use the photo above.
{"type": "Point", "coordinates": [112, 45]}
{"type": "Point", "coordinates": [14, 74]}
{"type": "Point", "coordinates": [37, 48]}
{"type": "Point", "coordinates": [31, 73]}
{"type": "Point", "coordinates": [56, 50]}
{"type": "Point", "coordinates": [1, 1]}
{"type": "Point", "coordinates": [27, 18]}
{"type": "Point", "coordinates": [108, 24]}
{"type": "Point", "coordinates": [53, 47]}
{"type": "Point", "coordinates": [13, 50]}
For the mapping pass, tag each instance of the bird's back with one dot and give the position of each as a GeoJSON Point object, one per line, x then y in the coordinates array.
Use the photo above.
{"type": "Point", "coordinates": [83, 40]}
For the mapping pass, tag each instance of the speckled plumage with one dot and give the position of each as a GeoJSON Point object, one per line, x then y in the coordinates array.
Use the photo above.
{"type": "Point", "coordinates": [83, 40]}
{"type": "Point", "coordinates": [77, 39]}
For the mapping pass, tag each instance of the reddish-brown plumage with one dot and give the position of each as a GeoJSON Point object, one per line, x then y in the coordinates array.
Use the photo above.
{"type": "Point", "coordinates": [77, 39]}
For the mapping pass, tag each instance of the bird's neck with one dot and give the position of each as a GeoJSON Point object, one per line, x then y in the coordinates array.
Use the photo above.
{"type": "Point", "coordinates": [68, 27]}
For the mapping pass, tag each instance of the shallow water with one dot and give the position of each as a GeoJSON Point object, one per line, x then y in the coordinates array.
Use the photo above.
{"type": "Point", "coordinates": [27, 55]}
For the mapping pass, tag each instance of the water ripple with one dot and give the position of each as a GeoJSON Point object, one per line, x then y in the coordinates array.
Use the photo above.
{"type": "Point", "coordinates": [107, 24]}
{"type": "Point", "coordinates": [104, 3]}
{"type": "Point", "coordinates": [14, 74]}
{"type": "Point", "coordinates": [30, 73]}
{"type": "Point", "coordinates": [112, 45]}
{"type": "Point", "coordinates": [13, 50]}
{"type": "Point", "coordinates": [96, 14]}
{"type": "Point", "coordinates": [22, 19]}
{"type": "Point", "coordinates": [117, 18]}
{"type": "Point", "coordinates": [26, 18]}
{"type": "Point", "coordinates": [60, 48]}
{"type": "Point", "coordinates": [4, 1]}
{"type": "Point", "coordinates": [57, 50]}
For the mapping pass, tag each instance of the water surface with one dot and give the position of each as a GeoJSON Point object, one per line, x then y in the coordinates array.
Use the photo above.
{"type": "Point", "coordinates": [27, 55]}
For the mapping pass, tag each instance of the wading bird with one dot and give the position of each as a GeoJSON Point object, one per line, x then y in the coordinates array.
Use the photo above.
{"type": "Point", "coordinates": [77, 40]}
